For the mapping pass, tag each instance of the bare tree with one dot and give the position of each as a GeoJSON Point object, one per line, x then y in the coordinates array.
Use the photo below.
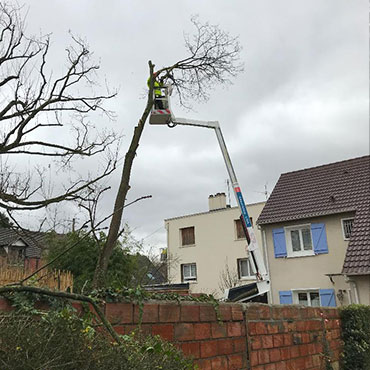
{"type": "Point", "coordinates": [228, 277]}
{"type": "Point", "coordinates": [45, 114]}
{"type": "Point", "coordinates": [212, 58]}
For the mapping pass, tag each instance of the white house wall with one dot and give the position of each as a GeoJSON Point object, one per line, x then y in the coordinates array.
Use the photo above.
{"type": "Point", "coordinates": [215, 246]}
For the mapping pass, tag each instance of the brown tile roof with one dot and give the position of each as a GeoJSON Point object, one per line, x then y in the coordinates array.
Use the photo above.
{"type": "Point", "coordinates": [328, 189]}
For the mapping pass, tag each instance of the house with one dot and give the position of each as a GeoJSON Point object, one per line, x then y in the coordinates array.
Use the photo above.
{"type": "Point", "coordinates": [21, 246]}
{"type": "Point", "coordinates": [207, 250]}
{"type": "Point", "coordinates": [316, 229]}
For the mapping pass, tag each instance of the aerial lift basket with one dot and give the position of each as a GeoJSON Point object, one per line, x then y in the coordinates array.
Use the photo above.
{"type": "Point", "coordinates": [161, 113]}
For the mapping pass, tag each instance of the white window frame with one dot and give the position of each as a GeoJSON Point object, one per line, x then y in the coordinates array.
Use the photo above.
{"type": "Point", "coordinates": [289, 246]}
{"type": "Point", "coordinates": [342, 223]}
{"type": "Point", "coordinates": [251, 275]}
{"type": "Point", "coordinates": [191, 278]}
{"type": "Point", "coordinates": [295, 293]}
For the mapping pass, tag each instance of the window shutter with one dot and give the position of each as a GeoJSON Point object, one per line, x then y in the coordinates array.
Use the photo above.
{"type": "Point", "coordinates": [278, 236]}
{"type": "Point", "coordinates": [320, 244]}
{"type": "Point", "coordinates": [327, 298]}
{"type": "Point", "coordinates": [286, 297]}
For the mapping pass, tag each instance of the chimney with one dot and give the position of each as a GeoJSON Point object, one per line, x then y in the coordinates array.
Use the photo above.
{"type": "Point", "coordinates": [217, 201]}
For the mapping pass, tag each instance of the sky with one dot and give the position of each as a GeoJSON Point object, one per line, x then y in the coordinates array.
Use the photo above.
{"type": "Point", "coordinates": [302, 100]}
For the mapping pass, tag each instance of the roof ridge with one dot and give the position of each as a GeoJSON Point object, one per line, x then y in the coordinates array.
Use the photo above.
{"type": "Point", "coordinates": [327, 164]}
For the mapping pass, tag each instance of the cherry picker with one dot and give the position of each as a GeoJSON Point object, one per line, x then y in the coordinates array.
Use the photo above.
{"type": "Point", "coordinates": [165, 116]}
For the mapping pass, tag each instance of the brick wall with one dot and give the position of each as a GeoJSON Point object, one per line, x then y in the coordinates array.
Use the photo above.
{"type": "Point", "coordinates": [252, 336]}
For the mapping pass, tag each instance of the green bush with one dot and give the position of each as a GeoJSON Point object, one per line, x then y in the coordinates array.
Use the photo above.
{"type": "Point", "coordinates": [60, 340]}
{"type": "Point", "coordinates": [356, 337]}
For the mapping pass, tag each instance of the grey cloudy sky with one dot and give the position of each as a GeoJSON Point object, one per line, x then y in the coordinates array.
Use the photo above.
{"type": "Point", "coordinates": [302, 100]}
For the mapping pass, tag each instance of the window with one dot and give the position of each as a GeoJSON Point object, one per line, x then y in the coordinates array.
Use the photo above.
{"type": "Point", "coordinates": [307, 298]}
{"type": "Point", "coordinates": [239, 228]}
{"type": "Point", "coordinates": [244, 269]}
{"type": "Point", "coordinates": [187, 236]}
{"type": "Point", "coordinates": [299, 241]}
{"type": "Point", "coordinates": [347, 227]}
{"type": "Point", "coordinates": [189, 272]}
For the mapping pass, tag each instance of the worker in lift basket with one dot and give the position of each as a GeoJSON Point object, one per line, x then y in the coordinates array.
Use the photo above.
{"type": "Point", "coordinates": [158, 103]}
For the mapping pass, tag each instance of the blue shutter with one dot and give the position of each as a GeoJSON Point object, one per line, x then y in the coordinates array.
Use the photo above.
{"type": "Point", "coordinates": [327, 298]}
{"type": "Point", "coordinates": [320, 244]}
{"type": "Point", "coordinates": [286, 297]}
{"type": "Point", "coordinates": [278, 236]}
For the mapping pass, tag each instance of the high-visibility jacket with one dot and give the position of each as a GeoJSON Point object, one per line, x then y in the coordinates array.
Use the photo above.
{"type": "Point", "coordinates": [157, 85]}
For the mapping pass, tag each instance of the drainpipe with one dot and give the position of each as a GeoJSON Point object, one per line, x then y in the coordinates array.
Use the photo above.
{"type": "Point", "coordinates": [264, 247]}
{"type": "Point", "coordinates": [354, 289]}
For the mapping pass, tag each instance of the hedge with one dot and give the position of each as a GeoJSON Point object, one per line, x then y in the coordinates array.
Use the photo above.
{"type": "Point", "coordinates": [356, 336]}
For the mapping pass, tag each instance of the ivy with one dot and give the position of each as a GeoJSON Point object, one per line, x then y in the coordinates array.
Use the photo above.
{"type": "Point", "coordinates": [356, 336]}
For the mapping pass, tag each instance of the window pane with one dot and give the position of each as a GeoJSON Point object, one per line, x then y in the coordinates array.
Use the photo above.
{"type": "Point", "coordinates": [186, 271]}
{"type": "Point", "coordinates": [306, 236]}
{"type": "Point", "coordinates": [347, 228]}
{"type": "Point", "coordinates": [244, 268]}
{"type": "Point", "coordinates": [193, 270]}
{"type": "Point", "coordinates": [303, 299]}
{"type": "Point", "coordinates": [315, 299]}
{"type": "Point", "coordinates": [296, 244]}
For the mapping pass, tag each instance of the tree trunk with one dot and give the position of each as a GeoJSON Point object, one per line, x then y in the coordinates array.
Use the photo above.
{"type": "Point", "coordinates": [124, 187]}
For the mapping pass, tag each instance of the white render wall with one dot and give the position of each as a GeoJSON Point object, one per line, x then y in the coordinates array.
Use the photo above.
{"type": "Point", "coordinates": [215, 246]}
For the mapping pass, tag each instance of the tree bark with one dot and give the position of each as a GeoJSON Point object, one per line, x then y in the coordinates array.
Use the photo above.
{"type": "Point", "coordinates": [124, 187]}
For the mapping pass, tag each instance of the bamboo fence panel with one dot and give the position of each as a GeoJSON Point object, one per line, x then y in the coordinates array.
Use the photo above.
{"type": "Point", "coordinates": [52, 279]}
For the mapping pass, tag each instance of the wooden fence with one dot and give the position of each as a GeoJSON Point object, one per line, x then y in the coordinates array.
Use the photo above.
{"type": "Point", "coordinates": [52, 279]}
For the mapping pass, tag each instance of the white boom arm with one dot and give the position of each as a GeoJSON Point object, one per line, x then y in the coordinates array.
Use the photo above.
{"type": "Point", "coordinates": [256, 258]}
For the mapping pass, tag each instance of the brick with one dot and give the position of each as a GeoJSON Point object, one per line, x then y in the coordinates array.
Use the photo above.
{"type": "Point", "coordinates": [225, 346]}
{"type": "Point", "coordinates": [235, 362]}
{"type": "Point", "coordinates": [273, 328]}
{"type": "Point", "coordinates": [120, 313]}
{"type": "Point", "coordinates": [218, 330]}
{"type": "Point", "coordinates": [263, 356]}
{"type": "Point", "coordinates": [237, 313]}
{"type": "Point", "coordinates": [219, 363]}
{"type": "Point", "coordinates": [299, 363]}
{"type": "Point", "coordinates": [256, 342]}
{"type": "Point", "coordinates": [190, 313]}
{"type": "Point", "coordinates": [254, 358]}
{"type": "Point", "coordinates": [280, 366]}
{"type": "Point", "coordinates": [278, 340]}
{"type": "Point", "coordinates": [290, 312]}
{"type": "Point", "coordinates": [276, 312]}
{"type": "Point", "coordinates": [184, 332]}
{"type": "Point", "coordinates": [308, 362]}
{"type": "Point", "coordinates": [252, 312]}
{"type": "Point", "coordinates": [252, 328]}
{"type": "Point", "coordinates": [207, 313]}
{"type": "Point", "coordinates": [202, 331]}
{"type": "Point", "coordinates": [261, 328]}
{"type": "Point", "coordinates": [264, 312]}
{"type": "Point", "coordinates": [225, 312]}
{"type": "Point", "coordinates": [130, 328]}
{"type": "Point", "coordinates": [169, 313]}
{"type": "Point", "coordinates": [285, 353]}
{"type": "Point", "coordinates": [240, 345]}
{"type": "Point", "coordinates": [191, 349]}
{"type": "Point", "coordinates": [204, 364]}
{"type": "Point", "coordinates": [294, 351]}
{"type": "Point", "coordinates": [119, 329]}
{"type": "Point", "coordinates": [165, 331]}
{"type": "Point", "coordinates": [303, 350]}
{"type": "Point", "coordinates": [208, 349]}
{"type": "Point", "coordinates": [274, 355]}
{"type": "Point", "coordinates": [305, 337]}
{"type": "Point", "coordinates": [270, 367]}
{"type": "Point", "coordinates": [150, 313]}
{"type": "Point", "coordinates": [267, 341]}
{"type": "Point", "coordinates": [234, 329]}
{"type": "Point", "coordinates": [288, 339]}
